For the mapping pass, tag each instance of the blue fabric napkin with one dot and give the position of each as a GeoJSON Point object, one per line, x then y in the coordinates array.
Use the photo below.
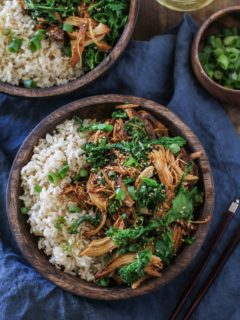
{"type": "Point", "coordinates": [160, 70]}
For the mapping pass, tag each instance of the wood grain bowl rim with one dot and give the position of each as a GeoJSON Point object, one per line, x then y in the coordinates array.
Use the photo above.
{"type": "Point", "coordinates": [196, 64]}
{"type": "Point", "coordinates": [88, 78]}
{"type": "Point", "coordinates": [40, 261]}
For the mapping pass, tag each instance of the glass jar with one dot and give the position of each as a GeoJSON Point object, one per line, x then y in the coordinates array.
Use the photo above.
{"type": "Point", "coordinates": [185, 5]}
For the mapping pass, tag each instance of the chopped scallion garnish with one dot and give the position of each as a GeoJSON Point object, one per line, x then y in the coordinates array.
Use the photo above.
{"type": "Point", "coordinates": [24, 210]}
{"type": "Point", "coordinates": [15, 45]}
{"type": "Point", "coordinates": [38, 188]}
{"type": "Point", "coordinates": [30, 84]}
{"type": "Point", "coordinates": [53, 177]}
{"type": "Point", "coordinates": [35, 42]}
{"type": "Point", "coordinates": [63, 171]}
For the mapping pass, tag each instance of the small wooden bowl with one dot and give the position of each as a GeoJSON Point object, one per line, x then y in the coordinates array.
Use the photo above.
{"type": "Point", "coordinates": [89, 77]}
{"type": "Point", "coordinates": [101, 107]}
{"type": "Point", "coordinates": [229, 17]}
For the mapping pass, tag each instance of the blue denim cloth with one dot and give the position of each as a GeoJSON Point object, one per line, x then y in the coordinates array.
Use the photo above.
{"type": "Point", "coordinates": [160, 70]}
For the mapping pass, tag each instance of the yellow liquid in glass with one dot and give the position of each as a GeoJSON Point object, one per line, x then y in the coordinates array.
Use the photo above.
{"type": "Point", "coordinates": [185, 5]}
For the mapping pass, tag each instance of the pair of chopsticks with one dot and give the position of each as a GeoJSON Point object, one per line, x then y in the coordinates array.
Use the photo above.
{"type": "Point", "coordinates": [222, 227]}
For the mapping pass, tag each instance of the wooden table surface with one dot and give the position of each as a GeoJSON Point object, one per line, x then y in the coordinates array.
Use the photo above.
{"type": "Point", "coordinates": [155, 19]}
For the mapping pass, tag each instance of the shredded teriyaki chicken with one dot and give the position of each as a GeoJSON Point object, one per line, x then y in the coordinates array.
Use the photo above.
{"type": "Point", "coordinates": [143, 186]}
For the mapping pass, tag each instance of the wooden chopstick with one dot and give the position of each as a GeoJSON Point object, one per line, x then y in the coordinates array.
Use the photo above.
{"type": "Point", "coordinates": [219, 233]}
{"type": "Point", "coordinates": [214, 273]}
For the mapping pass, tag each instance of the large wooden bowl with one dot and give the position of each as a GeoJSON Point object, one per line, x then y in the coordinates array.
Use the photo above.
{"type": "Point", "coordinates": [89, 77]}
{"type": "Point", "coordinates": [101, 107]}
{"type": "Point", "coordinates": [225, 18]}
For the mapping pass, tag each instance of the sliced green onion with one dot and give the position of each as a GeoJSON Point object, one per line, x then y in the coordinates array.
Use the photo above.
{"type": "Point", "coordinates": [15, 45]}
{"type": "Point", "coordinates": [220, 57]}
{"type": "Point", "coordinates": [30, 84]}
{"type": "Point", "coordinates": [218, 51]}
{"type": "Point", "coordinates": [63, 171]}
{"type": "Point", "coordinates": [233, 76]}
{"type": "Point", "coordinates": [35, 42]}
{"type": "Point", "coordinates": [215, 42]}
{"type": "Point", "coordinates": [218, 75]}
{"type": "Point", "coordinates": [24, 210]}
{"type": "Point", "coordinates": [230, 40]}
{"type": "Point", "coordinates": [38, 188]}
{"type": "Point", "coordinates": [223, 61]}
{"type": "Point", "coordinates": [233, 57]}
{"type": "Point", "coordinates": [209, 71]}
{"type": "Point", "coordinates": [53, 177]}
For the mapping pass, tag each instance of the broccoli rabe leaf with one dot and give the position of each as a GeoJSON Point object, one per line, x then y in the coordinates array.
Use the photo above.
{"type": "Point", "coordinates": [136, 129]}
{"type": "Point", "coordinates": [74, 227]}
{"type": "Point", "coordinates": [150, 196]}
{"type": "Point", "coordinates": [113, 13]}
{"type": "Point", "coordinates": [182, 209]}
{"type": "Point", "coordinates": [103, 282]}
{"type": "Point", "coordinates": [119, 114]}
{"type": "Point", "coordinates": [183, 205]}
{"type": "Point", "coordinates": [164, 247]}
{"type": "Point", "coordinates": [97, 154]}
{"type": "Point", "coordinates": [189, 240]}
{"type": "Point", "coordinates": [134, 271]}
{"type": "Point", "coordinates": [123, 236]}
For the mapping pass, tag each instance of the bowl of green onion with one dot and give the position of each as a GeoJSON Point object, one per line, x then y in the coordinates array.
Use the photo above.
{"type": "Point", "coordinates": [216, 55]}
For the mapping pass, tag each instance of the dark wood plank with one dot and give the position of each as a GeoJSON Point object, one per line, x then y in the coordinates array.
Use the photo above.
{"type": "Point", "coordinates": [102, 106]}
{"type": "Point", "coordinates": [155, 19]}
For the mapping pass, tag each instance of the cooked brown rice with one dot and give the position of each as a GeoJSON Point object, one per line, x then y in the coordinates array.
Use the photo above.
{"type": "Point", "coordinates": [63, 249]}
{"type": "Point", "coordinates": [47, 66]}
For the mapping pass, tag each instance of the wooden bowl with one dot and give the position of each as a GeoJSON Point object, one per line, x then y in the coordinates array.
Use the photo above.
{"type": "Point", "coordinates": [228, 17]}
{"type": "Point", "coordinates": [101, 107]}
{"type": "Point", "coordinates": [89, 77]}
